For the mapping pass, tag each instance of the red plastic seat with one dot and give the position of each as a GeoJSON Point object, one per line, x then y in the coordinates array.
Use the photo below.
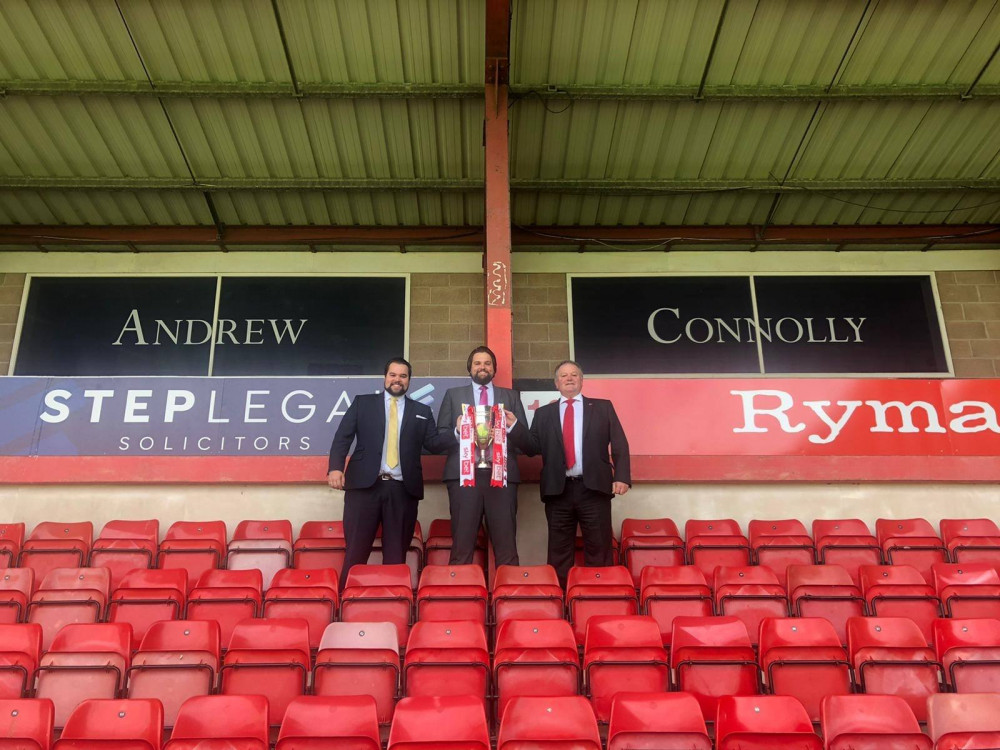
{"type": "Point", "coordinates": [124, 546]}
{"type": "Point", "coordinates": [269, 658]}
{"type": "Point", "coordinates": [20, 652]}
{"type": "Point", "coordinates": [710, 544]}
{"type": "Point", "coordinates": [437, 548]}
{"type": "Point", "coordinates": [527, 592]}
{"type": "Point", "coordinates": [969, 652]}
{"type": "Point", "coordinates": [261, 545]}
{"type": "Point", "coordinates": [196, 546]}
{"type": "Point", "coordinates": [971, 540]}
{"type": "Point", "coordinates": [565, 723]}
{"type": "Point", "coordinates": [455, 722]}
{"type": "Point", "coordinates": [11, 541]}
{"type": "Point", "coordinates": [598, 591]}
{"type": "Point", "coordinates": [106, 724]}
{"type": "Point", "coordinates": [310, 595]}
{"type": "Point", "coordinates": [657, 721]}
{"type": "Point", "coordinates": [221, 722]}
{"type": "Point", "coordinates": [26, 724]}
{"type": "Point", "coordinates": [226, 596]}
{"type": "Point", "coordinates": [447, 658]}
{"type": "Point", "coordinates": [900, 591]}
{"type": "Point", "coordinates": [712, 657]}
{"type": "Point", "coordinates": [320, 545]}
{"type": "Point", "coordinates": [537, 658]}
{"type": "Point", "coordinates": [669, 592]}
{"type": "Point", "coordinates": [650, 542]}
{"type": "Point", "coordinates": [379, 593]}
{"type": "Point", "coordinates": [911, 541]}
{"type": "Point", "coordinates": [69, 595]}
{"type": "Point", "coordinates": [764, 722]}
{"type": "Point", "coordinates": [778, 544]}
{"type": "Point", "coordinates": [970, 589]}
{"type": "Point", "coordinates": [623, 651]}
{"type": "Point", "coordinates": [177, 660]}
{"type": "Point", "coordinates": [452, 592]}
{"type": "Point", "coordinates": [964, 722]}
{"type": "Point", "coordinates": [802, 657]}
{"type": "Point", "coordinates": [360, 658]}
{"type": "Point", "coordinates": [826, 591]}
{"type": "Point", "coordinates": [847, 542]}
{"type": "Point", "coordinates": [56, 545]}
{"type": "Point", "coordinates": [890, 657]}
{"type": "Point", "coordinates": [85, 661]}
{"type": "Point", "coordinates": [871, 722]}
{"type": "Point", "coordinates": [330, 723]}
{"type": "Point", "coordinates": [414, 554]}
{"type": "Point", "coordinates": [16, 587]}
{"type": "Point", "coordinates": [750, 594]}
{"type": "Point", "coordinates": [148, 596]}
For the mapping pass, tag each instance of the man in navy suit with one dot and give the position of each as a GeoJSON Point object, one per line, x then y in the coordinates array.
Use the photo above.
{"type": "Point", "coordinates": [384, 481]}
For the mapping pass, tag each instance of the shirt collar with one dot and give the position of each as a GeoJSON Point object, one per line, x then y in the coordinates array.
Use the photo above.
{"type": "Point", "coordinates": [476, 386]}
{"type": "Point", "coordinates": [386, 395]}
{"type": "Point", "coordinates": [578, 397]}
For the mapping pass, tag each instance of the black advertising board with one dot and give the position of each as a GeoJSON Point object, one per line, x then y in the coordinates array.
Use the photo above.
{"type": "Point", "coordinates": [169, 326]}
{"type": "Point", "coordinates": [794, 325]}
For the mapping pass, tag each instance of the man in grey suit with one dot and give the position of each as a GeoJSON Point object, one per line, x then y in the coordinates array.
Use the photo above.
{"type": "Point", "coordinates": [469, 504]}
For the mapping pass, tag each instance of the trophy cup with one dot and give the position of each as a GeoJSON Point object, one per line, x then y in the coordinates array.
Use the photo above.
{"type": "Point", "coordinates": [483, 434]}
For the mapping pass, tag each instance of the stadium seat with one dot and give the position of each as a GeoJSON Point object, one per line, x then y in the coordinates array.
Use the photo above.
{"type": "Point", "coordinates": [657, 721]}
{"type": "Point", "coordinates": [910, 541]}
{"type": "Point", "coordinates": [710, 544]}
{"type": "Point", "coordinates": [536, 658]}
{"type": "Point", "coordinates": [900, 591]}
{"type": "Point", "coordinates": [826, 591]}
{"type": "Point", "coordinates": [148, 596]}
{"type": "Point", "coordinates": [447, 658]}
{"type": "Point", "coordinates": [11, 541]}
{"type": "Point", "coordinates": [455, 722]}
{"type": "Point", "coordinates": [379, 593]}
{"type": "Point", "coordinates": [565, 723]}
{"type": "Point", "coordinates": [964, 722]}
{"type": "Point", "coordinates": [221, 722]}
{"type": "Point", "coordinates": [778, 544]}
{"type": "Point", "coordinates": [20, 652]}
{"type": "Point", "coordinates": [802, 657]}
{"type": "Point", "coordinates": [196, 546]}
{"type": "Point", "coordinates": [623, 651]}
{"type": "Point", "coordinates": [764, 722]}
{"type": "Point", "coordinates": [269, 658]}
{"type": "Point", "coordinates": [847, 542]}
{"type": "Point", "coordinates": [870, 722]}
{"type": "Point", "coordinates": [598, 591]}
{"type": "Point", "coordinates": [666, 592]}
{"type": "Point", "coordinates": [320, 545]}
{"type": "Point", "coordinates": [414, 554]}
{"type": "Point", "coordinates": [749, 593]}
{"type": "Point", "coordinates": [26, 724]}
{"type": "Point", "coordinates": [650, 542]}
{"type": "Point", "coordinates": [527, 592]}
{"type": "Point", "coordinates": [969, 652]}
{"type": "Point", "coordinates": [261, 545]}
{"type": "Point", "coordinates": [226, 596]}
{"type": "Point", "coordinates": [970, 589]}
{"type": "Point", "coordinates": [452, 592]}
{"type": "Point", "coordinates": [85, 661]}
{"type": "Point", "coordinates": [307, 594]}
{"type": "Point", "coordinates": [16, 587]}
{"type": "Point", "coordinates": [109, 724]}
{"type": "Point", "coordinates": [890, 657]}
{"type": "Point", "coordinates": [124, 546]}
{"type": "Point", "coordinates": [69, 595]}
{"type": "Point", "coordinates": [437, 548]}
{"type": "Point", "coordinates": [360, 658]}
{"type": "Point", "coordinates": [330, 723]}
{"type": "Point", "coordinates": [712, 657]}
{"type": "Point", "coordinates": [971, 540]}
{"type": "Point", "coordinates": [177, 660]}
{"type": "Point", "coordinates": [56, 545]}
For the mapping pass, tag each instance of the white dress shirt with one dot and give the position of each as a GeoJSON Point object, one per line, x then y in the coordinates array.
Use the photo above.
{"type": "Point", "coordinates": [397, 471]}
{"type": "Point", "coordinates": [577, 469]}
{"type": "Point", "coordinates": [476, 390]}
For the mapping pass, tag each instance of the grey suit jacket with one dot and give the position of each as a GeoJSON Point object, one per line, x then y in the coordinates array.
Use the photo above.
{"type": "Point", "coordinates": [451, 407]}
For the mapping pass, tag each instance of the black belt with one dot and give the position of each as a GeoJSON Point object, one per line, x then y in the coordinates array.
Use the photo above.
{"type": "Point", "coordinates": [574, 479]}
{"type": "Point", "coordinates": [388, 478]}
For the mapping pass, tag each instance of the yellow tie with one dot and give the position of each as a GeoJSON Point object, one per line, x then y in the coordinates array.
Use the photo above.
{"type": "Point", "coordinates": [392, 446]}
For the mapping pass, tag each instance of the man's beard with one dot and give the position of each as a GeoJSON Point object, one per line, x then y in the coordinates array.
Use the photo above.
{"type": "Point", "coordinates": [482, 377]}
{"type": "Point", "coordinates": [396, 389]}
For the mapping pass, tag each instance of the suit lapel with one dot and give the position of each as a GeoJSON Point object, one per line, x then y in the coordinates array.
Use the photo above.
{"type": "Point", "coordinates": [409, 414]}
{"type": "Point", "coordinates": [587, 408]}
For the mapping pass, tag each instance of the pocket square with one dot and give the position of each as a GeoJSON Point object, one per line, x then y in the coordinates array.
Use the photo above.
{"type": "Point", "coordinates": [419, 417]}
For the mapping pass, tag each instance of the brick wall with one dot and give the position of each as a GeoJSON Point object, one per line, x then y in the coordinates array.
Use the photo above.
{"type": "Point", "coordinates": [970, 301]}
{"type": "Point", "coordinates": [11, 289]}
{"type": "Point", "coordinates": [446, 321]}
{"type": "Point", "coordinates": [541, 327]}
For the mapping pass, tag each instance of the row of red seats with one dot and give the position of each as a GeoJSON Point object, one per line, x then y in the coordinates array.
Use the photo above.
{"type": "Point", "coordinates": [638, 720]}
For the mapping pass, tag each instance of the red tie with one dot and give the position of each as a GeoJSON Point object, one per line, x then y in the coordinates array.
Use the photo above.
{"type": "Point", "coordinates": [482, 396]}
{"type": "Point", "coordinates": [569, 440]}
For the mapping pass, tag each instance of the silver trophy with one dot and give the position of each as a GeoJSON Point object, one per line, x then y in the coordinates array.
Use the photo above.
{"type": "Point", "coordinates": [483, 433]}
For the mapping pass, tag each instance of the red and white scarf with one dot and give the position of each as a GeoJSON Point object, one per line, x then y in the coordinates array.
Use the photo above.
{"type": "Point", "coordinates": [468, 454]}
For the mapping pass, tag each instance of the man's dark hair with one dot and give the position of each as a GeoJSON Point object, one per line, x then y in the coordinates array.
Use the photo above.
{"type": "Point", "coordinates": [398, 361]}
{"type": "Point", "coordinates": [568, 362]}
{"type": "Point", "coordinates": [481, 350]}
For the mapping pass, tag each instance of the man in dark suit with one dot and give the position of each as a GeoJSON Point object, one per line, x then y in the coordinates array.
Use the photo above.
{"type": "Point", "coordinates": [468, 505]}
{"type": "Point", "coordinates": [384, 480]}
{"type": "Point", "coordinates": [574, 435]}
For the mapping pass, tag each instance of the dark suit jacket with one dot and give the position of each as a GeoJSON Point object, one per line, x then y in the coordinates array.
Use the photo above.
{"type": "Point", "coordinates": [601, 429]}
{"type": "Point", "coordinates": [365, 421]}
{"type": "Point", "coordinates": [451, 407]}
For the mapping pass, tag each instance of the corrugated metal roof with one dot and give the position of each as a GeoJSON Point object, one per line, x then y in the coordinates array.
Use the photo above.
{"type": "Point", "coordinates": [158, 208]}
